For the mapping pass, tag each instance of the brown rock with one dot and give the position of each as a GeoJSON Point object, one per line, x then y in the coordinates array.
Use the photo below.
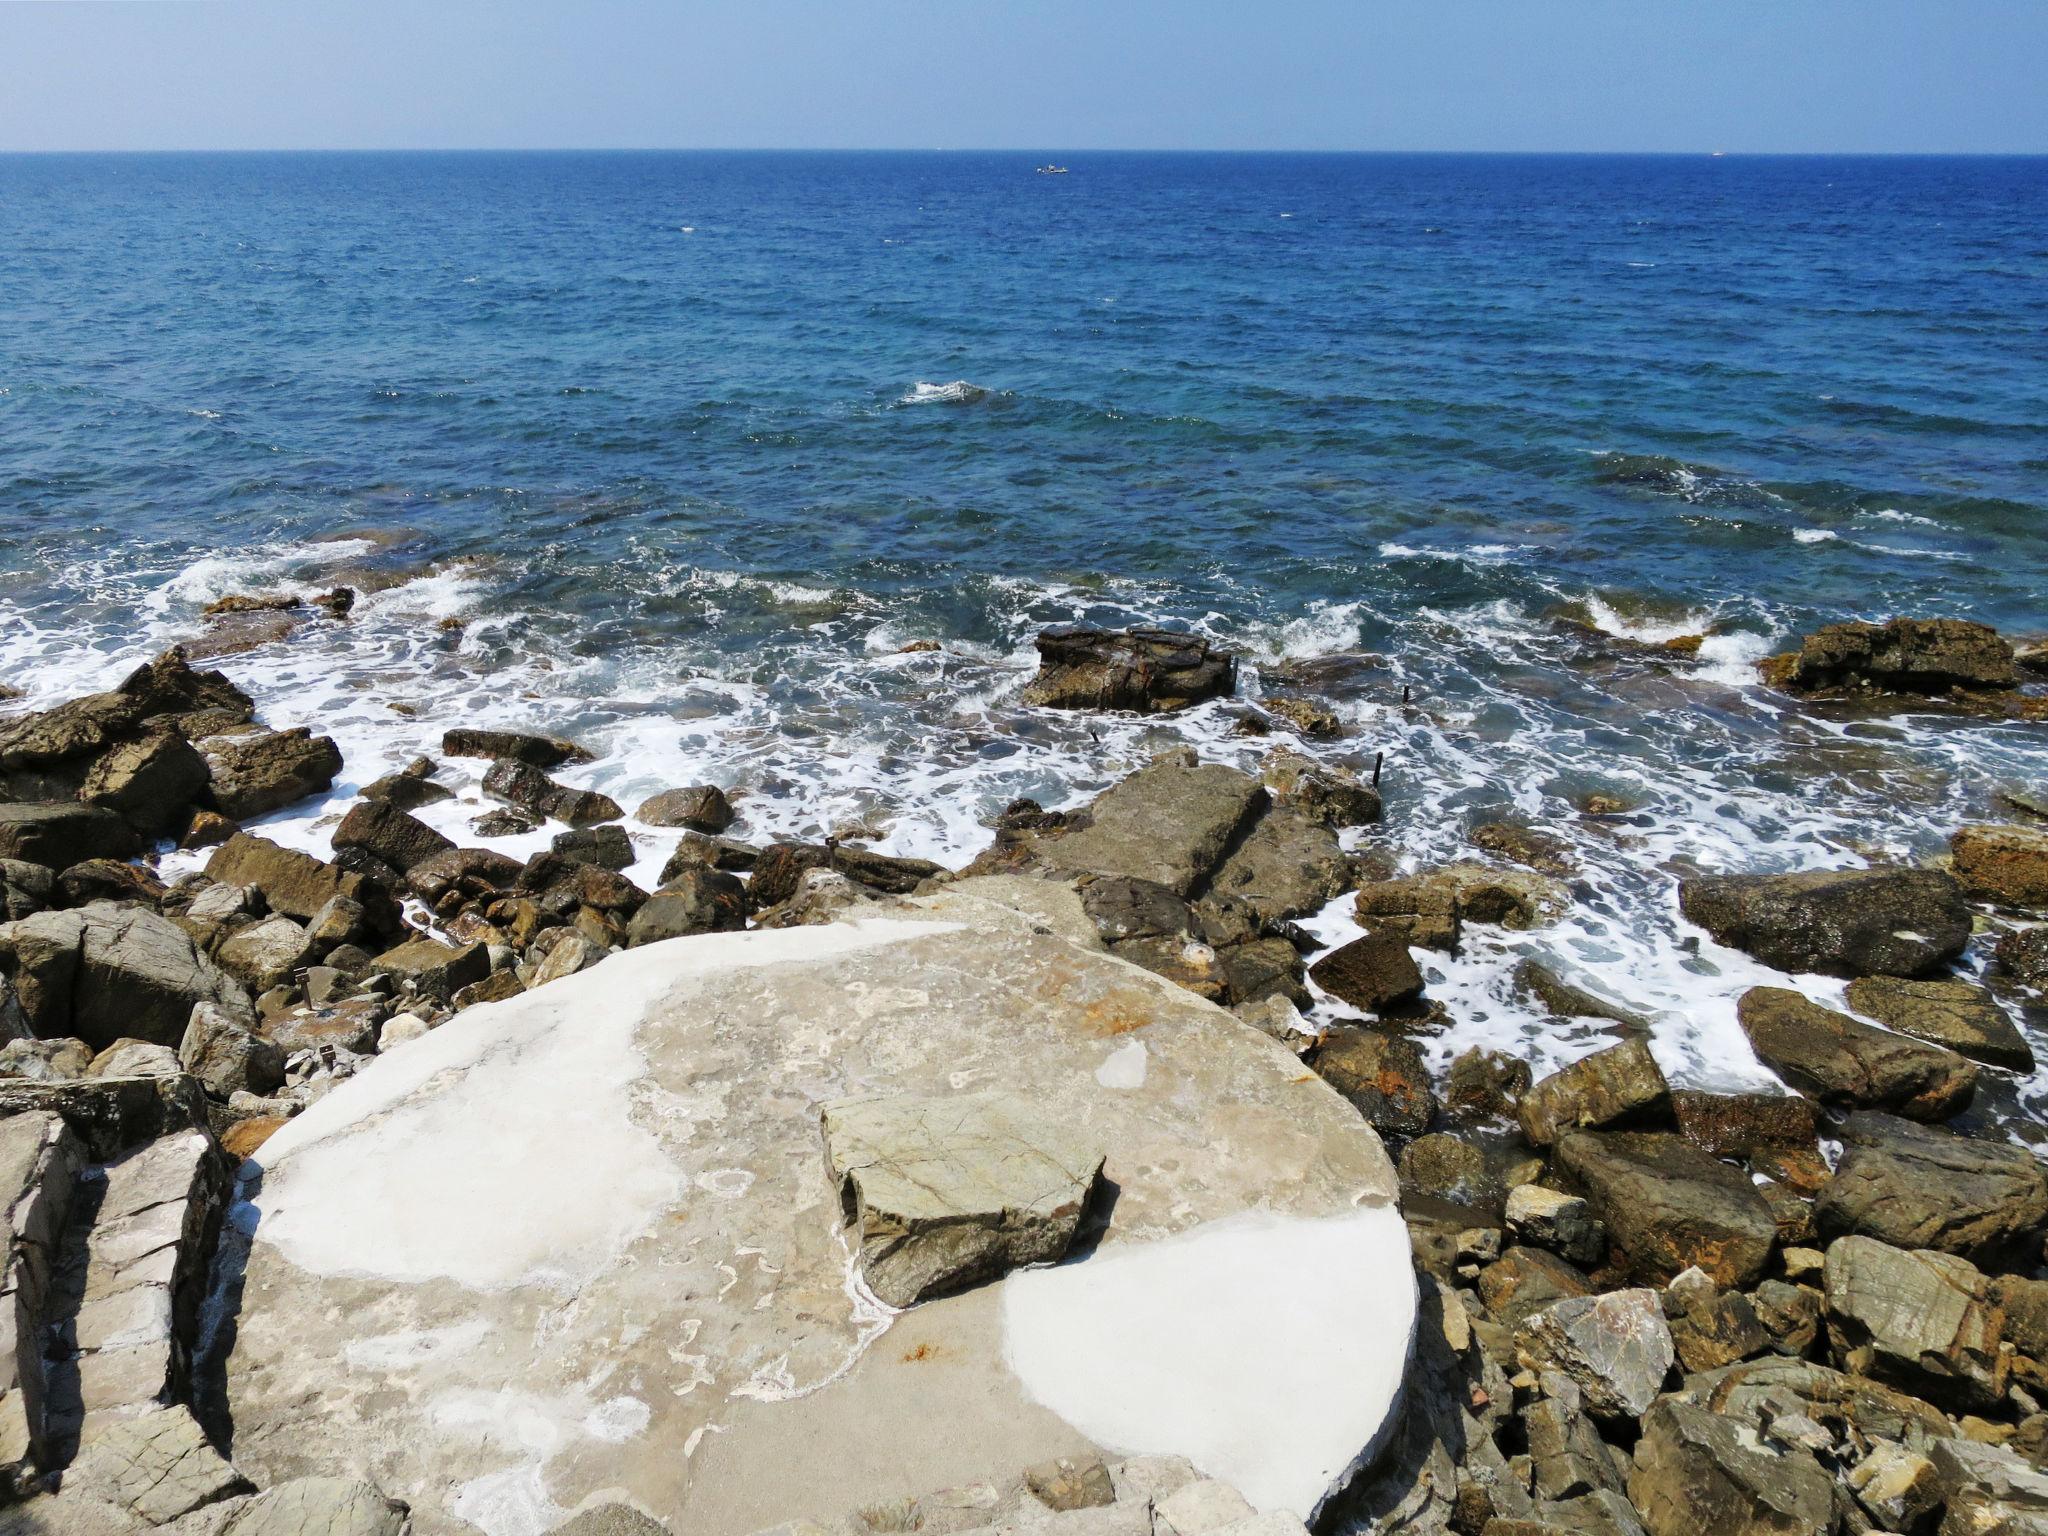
{"type": "Point", "coordinates": [1668, 1206]}
{"type": "Point", "coordinates": [383, 831]}
{"type": "Point", "coordinates": [1371, 973]}
{"type": "Point", "coordinates": [1149, 671]}
{"type": "Point", "coordinates": [1916, 1186]}
{"type": "Point", "coordinates": [1620, 1085]}
{"type": "Point", "coordinates": [1745, 1124]}
{"type": "Point", "coordinates": [1526, 1280]}
{"type": "Point", "coordinates": [2007, 865]}
{"type": "Point", "coordinates": [1928, 656]}
{"type": "Point", "coordinates": [702, 808]}
{"type": "Point", "coordinates": [1957, 1014]}
{"type": "Point", "coordinates": [1384, 1077]}
{"type": "Point", "coordinates": [1842, 1061]}
{"type": "Point", "coordinates": [520, 746]}
{"type": "Point", "coordinates": [258, 773]}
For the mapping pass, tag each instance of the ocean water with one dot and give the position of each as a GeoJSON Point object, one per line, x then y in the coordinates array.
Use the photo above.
{"type": "Point", "coordinates": [674, 453]}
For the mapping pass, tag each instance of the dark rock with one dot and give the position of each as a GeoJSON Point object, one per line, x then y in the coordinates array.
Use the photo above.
{"type": "Point", "coordinates": [1316, 721]}
{"type": "Point", "coordinates": [701, 808]}
{"type": "Point", "coordinates": [1668, 1206]}
{"type": "Point", "coordinates": [1697, 1471]}
{"type": "Point", "coordinates": [715, 852]}
{"type": "Point", "coordinates": [699, 900]}
{"type": "Point", "coordinates": [1916, 1186]}
{"type": "Point", "coordinates": [1711, 1327]}
{"type": "Point", "coordinates": [1618, 1086]}
{"type": "Point", "coordinates": [206, 829]}
{"type": "Point", "coordinates": [297, 884]}
{"type": "Point", "coordinates": [1449, 1168]}
{"type": "Point", "coordinates": [25, 889]}
{"type": "Point", "coordinates": [108, 880]}
{"type": "Point", "coordinates": [1530, 847]}
{"type": "Point", "coordinates": [1929, 656]}
{"type": "Point", "coordinates": [150, 780]}
{"type": "Point", "coordinates": [505, 823]}
{"type": "Point", "coordinates": [526, 787]}
{"type": "Point", "coordinates": [105, 972]}
{"type": "Point", "coordinates": [1320, 791]}
{"type": "Point", "coordinates": [1566, 1454]}
{"type": "Point", "coordinates": [1430, 909]}
{"type": "Point", "coordinates": [465, 874]}
{"type": "Point", "coordinates": [884, 872]}
{"type": "Point", "coordinates": [256, 774]}
{"type": "Point", "coordinates": [520, 746]}
{"type": "Point", "coordinates": [1526, 1280]}
{"type": "Point", "coordinates": [1483, 1082]}
{"type": "Point", "coordinates": [1858, 922]}
{"type": "Point", "coordinates": [2023, 956]}
{"type": "Point", "coordinates": [58, 834]}
{"type": "Point", "coordinates": [1957, 1014]}
{"type": "Point", "coordinates": [389, 835]}
{"type": "Point", "coordinates": [1745, 1124]}
{"type": "Point", "coordinates": [1146, 670]}
{"type": "Point", "coordinates": [111, 1115]}
{"type": "Point", "coordinates": [1841, 1061]}
{"type": "Point", "coordinates": [2006, 865]}
{"type": "Point", "coordinates": [1557, 1222]}
{"type": "Point", "coordinates": [564, 885]}
{"type": "Point", "coordinates": [1384, 1077]}
{"type": "Point", "coordinates": [1789, 1314]}
{"type": "Point", "coordinates": [1371, 973]}
{"type": "Point", "coordinates": [608, 847]}
{"type": "Point", "coordinates": [411, 787]}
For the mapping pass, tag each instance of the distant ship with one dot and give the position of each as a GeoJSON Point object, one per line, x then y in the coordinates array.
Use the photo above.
{"type": "Point", "coordinates": [1052, 170]}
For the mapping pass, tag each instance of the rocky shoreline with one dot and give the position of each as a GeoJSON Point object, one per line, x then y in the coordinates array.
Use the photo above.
{"type": "Point", "coordinates": [1643, 1307]}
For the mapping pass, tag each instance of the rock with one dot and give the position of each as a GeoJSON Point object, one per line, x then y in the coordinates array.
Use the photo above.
{"type": "Point", "coordinates": [1484, 1082]}
{"type": "Point", "coordinates": [1615, 1348]}
{"type": "Point", "coordinates": [1857, 922]}
{"type": "Point", "coordinates": [329, 1506]}
{"type": "Point", "coordinates": [1922, 1187]}
{"type": "Point", "coordinates": [1525, 1281]}
{"type": "Point", "coordinates": [1929, 656]}
{"type": "Point", "coordinates": [1384, 1077]}
{"type": "Point", "coordinates": [1668, 1206]}
{"type": "Point", "coordinates": [254, 775]}
{"type": "Point", "coordinates": [25, 889]}
{"type": "Point", "coordinates": [297, 884]}
{"type": "Point", "coordinates": [1843, 1062]}
{"type": "Point", "coordinates": [1567, 1455]}
{"type": "Point", "coordinates": [1620, 1085]}
{"type": "Point", "coordinates": [1697, 1471]}
{"type": "Point", "coordinates": [135, 1058]}
{"type": "Point", "coordinates": [2023, 956]}
{"type": "Point", "coordinates": [1897, 1488]}
{"type": "Point", "coordinates": [110, 1115]}
{"type": "Point", "coordinates": [108, 880]}
{"type": "Point", "coordinates": [60, 834]}
{"type": "Point", "coordinates": [1758, 1126]}
{"type": "Point", "coordinates": [503, 823]}
{"type": "Point", "coordinates": [400, 1029]}
{"type": "Point", "coordinates": [1957, 1014]}
{"type": "Point", "coordinates": [624, 1520]}
{"type": "Point", "coordinates": [159, 1466]}
{"type": "Point", "coordinates": [265, 954]}
{"type": "Point", "coordinates": [1171, 822]}
{"type": "Point", "coordinates": [1066, 1483]}
{"type": "Point", "coordinates": [1918, 1320]}
{"type": "Point", "coordinates": [701, 808]}
{"type": "Point", "coordinates": [697, 901]}
{"type": "Point", "coordinates": [227, 1056]}
{"type": "Point", "coordinates": [1285, 867]}
{"type": "Point", "coordinates": [1711, 1327]}
{"type": "Point", "coordinates": [1320, 791]}
{"type": "Point", "coordinates": [44, 1061]}
{"type": "Point", "coordinates": [149, 780]}
{"type": "Point", "coordinates": [520, 746]}
{"type": "Point", "coordinates": [529, 789]}
{"type": "Point", "coordinates": [1550, 1219]}
{"type": "Point", "coordinates": [1569, 1001]}
{"type": "Point", "coordinates": [410, 787]}
{"type": "Point", "coordinates": [951, 1192]}
{"type": "Point", "coordinates": [1541, 851]}
{"type": "Point", "coordinates": [459, 876]}
{"type": "Point", "coordinates": [572, 954]}
{"type": "Point", "coordinates": [386, 833]}
{"type": "Point", "coordinates": [1449, 1168]}
{"type": "Point", "coordinates": [1431, 908]}
{"type": "Point", "coordinates": [246, 1137]}
{"type": "Point", "coordinates": [105, 972]}
{"type": "Point", "coordinates": [435, 969]}
{"type": "Point", "coordinates": [2007, 865]}
{"type": "Point", "coordinates": [688, 1080]}
{"type": "Point", "coordinates": [1149, 671]}
{"type": "Point", "coordinates": [1372, 973]}
{"type": "Point", "coordinates": [1201, 1508]}
{"type": "Point", "coordinates": [609, 847]}
{"type": "Point", "coordinates": [206, 829]}
{"type": "Point", "coordinates": [1988, 1491]}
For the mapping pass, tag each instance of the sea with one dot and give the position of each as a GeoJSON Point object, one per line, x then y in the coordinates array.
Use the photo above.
{"type": "Point", "coordinates": [677, 453]}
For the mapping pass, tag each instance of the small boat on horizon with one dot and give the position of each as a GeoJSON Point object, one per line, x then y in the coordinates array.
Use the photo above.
{"type": "Point", "coordinates": [1052, 170]}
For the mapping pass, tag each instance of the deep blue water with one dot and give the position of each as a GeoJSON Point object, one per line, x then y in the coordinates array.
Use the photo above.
{"type": "Point", "coordinates": [691, 443]}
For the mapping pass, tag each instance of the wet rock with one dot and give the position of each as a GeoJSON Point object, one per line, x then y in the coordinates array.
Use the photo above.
{"type": "Point", "coordinates": [701, 808]}
{"type": "Point", "coordinates": [1384, 1076]}
{"type": "Point", "coordinates": [520, 746]}
{"type": "Point", "coordinates": [1697, 1471]}
{"type": "Point", "coordinates": [1957, 1014]}
{"type": "Point", "coordinates": [2007, 865]}
{"type": "Point", "coordinates": [297, 884]}
{"type": "Point", "coordinates": [885, 872]}
{"type": "Point", "coordinates": [608, 847]}
{"type": "Point", "coordinates": [1711, 1327]}
{"type": "Point", "coordinates": [1859, 922]}
{"type": "Point", "coordinates": [1569, 1001]}
{"type": "Point", "coordinates": [1525, 1281]}
{"type": "Point", "coordinates": [58, 834]}
{"type": "Point", "coordinates": [1530, 847]}
{"type": "Point", "coordinates": [105, 972]}
{"type": "Point", "coordinates": [1372, 973]}
{"type": "Point", "coordinates": [951, 1192]}
{"type": "Point", "coordinates": [1483, 1082]}
{"type": "Point", "coordinates": [1918, 1320]}
{"type": "Point", "coordinates": [696, 901]}
{"type": "Point", "coordinates": [1917, 1186]}
{"type": "Point", "coordinates": [1446, 1167]}
{"type": "Point", "coordinates": [527, 788]}
{"type": "Point", "coordinates": [1746, 1125]}
{"type": "Point", "coordinates": [1286, 866]}
{"type": "Point", "coordinates": [458, 876]}
{"type": "Point", "coordinates": [821, 896]}
{"type": "Point", "coordinates": [1927, 656]}
{"type": "Point", "coordinates": [206, 829]}
{"type": "Point", "coordinates": [389, 835]}
{"type": "Point", "coordinates": [1616, 1349]}
{"type": "Point", "coordinates": [1563, 1224]}
{"type": "Point", "coordinates": [149, 780]}
{"type": "Point", "coordinates": [228, 1057]}
{"type": "Point", "coordinates": [1320, 791]}
{"type": "Point", "coordinates": [265, 954]}
{"type": "Point", "coordinates": [1668, 1206]}
{"type": "Point", "coordinates": [502, 823]}
{"type": "Point", "coordinates": [1620, 1085]}
{"type": "Point", "coordinates": [410, 788]}
{"type": "Point", "coordinates": [1149, 671]}
{"type": "Point", "coordinates": [2023, 956]}
{"type": "Point", "coordinates": [1843, 1062]}
{"type": "Point", "coordinates": [258, 773]}
{"type": "Point", "coordinates": [1172, 822]}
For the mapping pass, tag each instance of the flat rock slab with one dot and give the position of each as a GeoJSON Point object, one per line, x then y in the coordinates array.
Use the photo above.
{"type": "Point", "coordinates": [583, 1245]}
{"type": "Point", "coordinates": [950, 1191]}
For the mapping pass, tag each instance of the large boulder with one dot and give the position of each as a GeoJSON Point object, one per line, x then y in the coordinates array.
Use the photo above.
{"type": "Point", "coordinates": [1608, 1088]}
{"type": "Point", "coordinates": [1146, 670]}
{"type": "Point", "coordinates": [631, 1234]}
{"type": "Point", "coordinates": [1697, 1471]}
{"type": "Point", "coordinates": [1957, 1014]}
{"type": "Point", "coordinates": [700, 900]}
{"type": "Point", "coordinates": [1850, 922]}
{"type": "Point", "coordinates": [105, 972]}
{"type": "Point", "coordinates": [1373, 973]}
{"type": "Point", "coordinates": [701, 808]}
{"type": "Point", "coordinates": [1171, 822]}
{"type": "Point", "coordinates": [1844, 1062]}
{"type": "Point", "coordinates": [151, 780]}
{"type": "Point", "coordinates": [1917, 1319]}
{"type": "Point", "coordinates": [1928, 656]}
{"type": "Point", "coordinates": [58, 834]}
{"type": "Point", "coordinates": [1288, 865]}
{"type": "Point", "coordinates": [520, 746]}
{"type": "Point", "coordinates": [1988, 1490]}
{"type": "Point", "coordinates": [265, 771]}
{"type": "Point", "coordinates": [1918, 1186]}
{"type": "Point", "coordinates": [1383, 1075]}
{"type": "Point", "coordinates": [2007, 865]}
{"type": "Point", "coordinates": [297, 884]}
{"type": "Point", "coordinates": [1669, 1207]}
{"type": "Point", "coordinates": [389, 835]}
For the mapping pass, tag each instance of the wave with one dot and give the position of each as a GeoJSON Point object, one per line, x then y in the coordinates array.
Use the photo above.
{"type": "Point", "coordinates": [959, 392]}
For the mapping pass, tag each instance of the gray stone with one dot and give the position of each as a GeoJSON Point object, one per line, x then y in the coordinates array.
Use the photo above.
{"type": "Point", "coordinates": [1568, 1000]}
{"type": "Point", "coordinates": [326, 1506]}
{"type": "Point", "coordinates": [951, 1192]}
{"type": "Point", "coordinates": [40, 1161]}
{"type": "Point", "coordinates": [1917, 1186]}
{"type": "Point", "coordinates": [434, 968]}
{"type": "Point", "coordinates": [1320, 791]}
{"type": "Point", "coordinates": [1897, 1488]}
{"type": "Point", "coordinates": [111, 1115]}
{"type": "Point", "coordinates": [42, 1061]}
{"type": "Point", "coordinates": [1957, 1014]}
{"type": "Point", "coordinates": [1564, 1224]}
{"type": "Point", "coordinates": [1918, 1320]}
{"type": "Point", "coordinates": [1711, 1327]}
{"type": "Point", "coordinates": [265, 954]}
{"type": "Point", "coordinates": [227, 1056]}
{"type": "Point", "coordinates": [1988, 1490]}
{"type": "Point", "coordinates": [1696, 1471]}
{"type": "Point", "coordinates": [1288, 865]}
{"type": "Point", "coordinates": [1066, 1483]}
{"type": "Point", "coordinates": [1565, 1449]}
{"type": "Point", "coordinates": [1617, 1086]}
{"type": "Point", "coordinates": [1171, 822]}
{"type": "Point", "coordinates": [1856, 922]}
{"type": "Point", "coordinates": [107, 972]}
{"type": "Point", "coordinates": [1842, 1061]}
{"type": "Point", "coordinates": [159, 1465]}
{"type": "Point", "coordinates": [1616, 1348]}
{"type": "Point", "coordinates": [136, 1058]}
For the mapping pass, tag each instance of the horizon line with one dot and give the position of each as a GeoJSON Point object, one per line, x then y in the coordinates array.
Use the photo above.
{"type": "Point", "coordinates": [1028, 150]}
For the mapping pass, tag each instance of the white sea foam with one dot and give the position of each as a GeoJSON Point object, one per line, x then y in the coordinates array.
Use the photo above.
{"type": "Point", "coordinates": [1815, 535]}
{"type": "Point", "coordinates": [959, 392]}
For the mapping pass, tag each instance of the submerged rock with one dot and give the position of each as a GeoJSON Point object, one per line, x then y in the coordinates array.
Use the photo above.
{"type": "Point", "coordinates": [1857, 922]}
{"type": "Point", "coordinates": [1149, 671]}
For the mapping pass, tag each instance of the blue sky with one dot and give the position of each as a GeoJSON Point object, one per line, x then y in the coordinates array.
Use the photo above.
{"type": "Point", "coordinates": [1685, 75]}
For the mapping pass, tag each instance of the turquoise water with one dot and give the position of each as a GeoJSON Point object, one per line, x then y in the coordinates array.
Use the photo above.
{"type": "Point", "coordinates": [690, 445]}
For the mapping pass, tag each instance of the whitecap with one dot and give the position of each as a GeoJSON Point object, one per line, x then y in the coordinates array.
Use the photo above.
{"type": "Point", "coordinates": [959, 392]}
{"type": "Point", "coordinates": [1814, 535]}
